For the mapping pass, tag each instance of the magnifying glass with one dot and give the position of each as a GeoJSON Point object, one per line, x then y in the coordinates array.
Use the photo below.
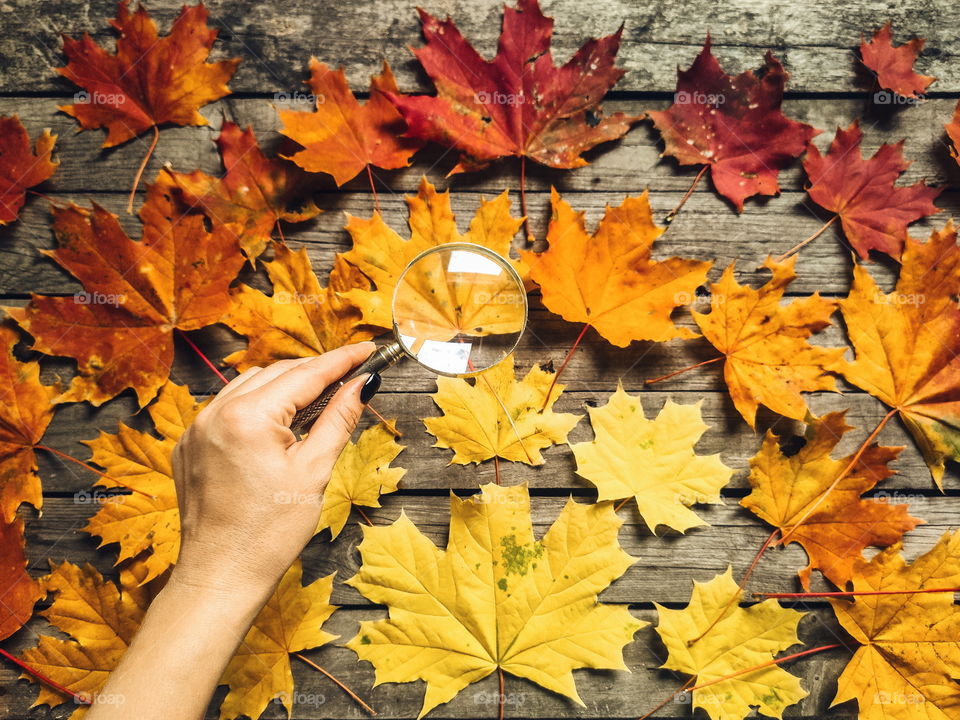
{"type": "Point", "coordinates": [458, 309]}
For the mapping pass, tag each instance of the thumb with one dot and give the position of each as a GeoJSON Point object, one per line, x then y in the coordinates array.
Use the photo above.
{"type": "Point", "coordinates": [332, 430]}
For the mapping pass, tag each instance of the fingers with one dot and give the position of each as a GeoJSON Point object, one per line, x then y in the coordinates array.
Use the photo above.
{"type": "Point", "coordinates": [300, 383]}
{"type": "Point", "coordinates": [261, 376]}
{"type": "Point", "coordinates": [231, 387]}
{"type": "Point", "coordinates": [336, 423]}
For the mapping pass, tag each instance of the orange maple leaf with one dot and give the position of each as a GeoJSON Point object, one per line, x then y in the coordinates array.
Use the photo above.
{"type": "Point", "coordinates": [842, 523]}
{"type": "Point", "coordinates": [301, 318]}
{"type": "Point", "coordinates": [893, 66]}
{"type": "Point", "coordinates": [18, 590]}
{"type": "Point", "coordinates": [609, 280]}
{"type": "Point", "coordinates": [256, 191]}
{"type": "Point", "coordinates": [135, 294]}
{"type": "Point", "coordinates": [342, 137]}
{"type": "Point", "coordinates": [907, 343]}
{"type": "Point", "coordinates": [25, 412]}
{"type": "Point", "coordinates": [150, 80]}
{"type": "Point", "coordinates": [21, 167]}
{"type": "Point", "coordinates": [768, 360]}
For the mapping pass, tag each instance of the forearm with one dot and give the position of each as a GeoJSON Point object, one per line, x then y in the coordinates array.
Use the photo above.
{"type": "Point", "coordinates": [174, 663]}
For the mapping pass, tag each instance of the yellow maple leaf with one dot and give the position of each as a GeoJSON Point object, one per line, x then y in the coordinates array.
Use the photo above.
{"type": "Point", "coordinates": [652, 460]}
{"type": "Point", "coordinates": [768, 358]}
{"type": "Point", "coordinates": [301, 318]}
{"type": "Point", "coordinates": [475, 423]}
{"type": "Point", "coordinates": [362, 474]}
{"type": "Point", "coordinates": [149, 518]}
{"type": "Point", "coordinates": [101, 620]}
{"type": "Point", "coordinates": [908, 665]}
{"type": "Point", "coordinates": [381, 254]}
{"type": "Point", "coordinates": [907, 343]}
{"type": "Point", "coordinates": [609, 280]}
{"type": "Point", "coordinates": [496, 598]}
{"type": "Point", "coordinates": [289, 622]}
{"type": "Point", "coordinates": [741, 639]}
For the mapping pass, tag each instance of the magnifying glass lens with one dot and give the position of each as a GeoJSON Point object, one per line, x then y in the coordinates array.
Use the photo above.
{"type": "Point", "coordinates": [459, 309]}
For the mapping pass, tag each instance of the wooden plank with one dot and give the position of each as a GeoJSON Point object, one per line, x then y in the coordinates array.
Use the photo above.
{"type": "Point", "coordinates": [816, 41]}
{"type": "Point", "coordinates": [663, 573]}
{"type": "Point", "coordinates": [628, 165]}
{"type": "Point", "coordinates": [606, 694]}
{"type": "Point", "coordinates": [428, 467]}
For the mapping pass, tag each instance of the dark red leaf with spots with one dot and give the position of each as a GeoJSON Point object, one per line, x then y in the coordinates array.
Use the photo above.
{"type": "Point", "coordinates": [21, 167]}
{"type": "Point", "coordinates": [873, 211]}
{"type": "Point", "coordinates": [734, 125]}
{"type": "Point", "coordinates": [893, 66]}
{"type": "Point", "coordinates": [518, 104]}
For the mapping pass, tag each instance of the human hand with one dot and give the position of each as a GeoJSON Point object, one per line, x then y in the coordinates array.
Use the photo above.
{"type": "Point", "coordinates": [250, 493]}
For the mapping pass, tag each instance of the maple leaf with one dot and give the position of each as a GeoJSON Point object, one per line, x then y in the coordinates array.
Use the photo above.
{"type": "Point", "coordinates": [381, 254]}
{"type": "Point", "coordinates": [873, 211]}
{"type": "Point", "coordinates": [740, 639]}
{"type": "Point", "coordinates": [362, 474]}
{"type": "Point", "coordinates": [342, 137]}
{"type": "Point", "coordinates": [651, 460]}
{"type": "Point", "coordinates": [302, 318]}
{"type": "Point", "coordinates": [609, 280]}
{"type": "Point", "coordinates": [18, 590]}
{"type": "Point", "coordinates": [893, 66]}
{"type": "Point", "coordinates": [25, 412]}
{"type": "Point", "coordinates": [519, 104]}
{"type": "Point", "coordinates": [909, 660]}
{"type": "Point", "coordinates": [843, 523]}
{"type": "Point", "coordinates": [953, 133]}
{"type": "Point", "coordinates": [289, 622]}
{"type": "Point", "coordinates": [151, 80]}
{"type": "Point", "coordinates": [907, 343]}
{"type": "Point", "coordinates": [150, 518]}
{"type": "Point", "coordinates": [768, 360]}
{"type": "Point", "coordinates": [255, 191]}
{"type": "Point", "coordinates": [476, 425]}
{"type": "Point", "coordinates": [733, 125]}
{"type": "Point", "coordinates": [100, 620]}
{"type": "Point", "coordinates": [120, 328]}
{"type": "Point", "coordinates": [496, 599]}
{"type": "Point", "coordinates": [21, 166]}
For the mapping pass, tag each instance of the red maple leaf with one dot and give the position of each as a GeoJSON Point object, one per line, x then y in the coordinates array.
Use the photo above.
{"type": "Point", "coordinates": [732, 125]}
{"type": "Point", "coordinates": [873, 211]}
{"type": "Point", "coordinates": [21, 167]}
{"type": "Point", "coordinates": [894, 65]}
{"type": "Point", "coordinates": [518, 104]}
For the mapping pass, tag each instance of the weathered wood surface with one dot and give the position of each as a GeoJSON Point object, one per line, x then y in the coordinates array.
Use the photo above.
{"type": "Point", "coordinates": [816, 42]}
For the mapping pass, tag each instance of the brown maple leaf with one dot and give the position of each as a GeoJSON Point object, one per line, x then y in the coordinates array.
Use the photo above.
{"type": "Point", "coordinates": [21, 167]}
{"type": "Point", "coordinates": [893, 66]}
{"type": "Point", "coordinates": [873, 211]}
{"type": "Point", "coordinates": [518, 104]}
{"type": "Point", "coordinates": [256, 192]}
{"type": "Point", "coordinates": [732, 125]}
{"type": "Point", "coordinates": [135, 294]}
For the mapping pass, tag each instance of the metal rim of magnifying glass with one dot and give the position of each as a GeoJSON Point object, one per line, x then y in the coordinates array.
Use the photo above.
{"type": "Point", "coordinates": [479, 250]}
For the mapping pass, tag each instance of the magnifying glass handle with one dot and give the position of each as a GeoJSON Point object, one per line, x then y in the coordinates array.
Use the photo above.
{"type": "Point", "coordinates": [381, 358]}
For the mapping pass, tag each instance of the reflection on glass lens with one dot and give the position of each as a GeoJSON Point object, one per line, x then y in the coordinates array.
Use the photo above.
{"type": "Point", "coordinates": [459, 309]}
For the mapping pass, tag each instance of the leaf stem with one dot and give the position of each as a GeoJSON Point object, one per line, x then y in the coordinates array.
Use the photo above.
{"type": "Point", "coordinates": [203, 357]}
{"type": "Point", "coordinates": [855, 593]}
{"type": "Point", "coordinates": [342, 686]}
{"type": "Point", "coordinates": [496, 468]}
{"type": "Point", "coordinates": [143, 166]}
{"type": "Point", "coordinates": [673, 213]}
{"type": "Point", "coordinates": [77, 698]}
{"type": "Point", "coordinates": [670, 697]}
{"type": "Point", "coordinates": [810, 239]}
{"type": "Point", "coordinates": [523, 199]}
{"type": "Point", "coordinates": [363, 515]}
{"type": "Point", "coordinates": [373, 189]}
{"type": "Point", "coordinates": [683, 370]}
{"type": "Point", "coordinates": [393, 429]}
{"type": "Point", "coordinates": [563, 366]}
{"type": "Point", "coordinates": [283, 239]}
{"type": "Point", "coordinates": [617, 509]}
{"type": "Point", "coordinates": [91, 468]}
{"type": "Point", "coordinates": [500, 697]}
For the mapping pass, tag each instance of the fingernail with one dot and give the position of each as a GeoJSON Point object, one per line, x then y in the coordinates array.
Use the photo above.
{"type": "Point", "coordinates": [369, 388]}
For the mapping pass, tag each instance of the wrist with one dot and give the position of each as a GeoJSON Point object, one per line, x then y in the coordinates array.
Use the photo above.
{"type": "Point", "coordinates": [237, 593]}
